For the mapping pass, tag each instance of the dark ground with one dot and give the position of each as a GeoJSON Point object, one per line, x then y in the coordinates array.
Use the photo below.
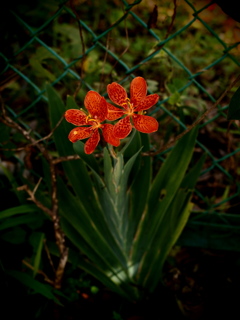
{"type": "Point", "coordinates": [199, 284]}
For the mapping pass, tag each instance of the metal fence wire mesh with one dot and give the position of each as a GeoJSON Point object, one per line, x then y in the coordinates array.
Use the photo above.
{"type": "Point", "coordinates": [188, 53]}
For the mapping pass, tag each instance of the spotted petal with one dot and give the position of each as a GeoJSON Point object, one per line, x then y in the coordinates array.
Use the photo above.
{"type": "Point", "coordinates": [138, 90]}
{"type": "Point", "coordinates": [117, 94]}
{"type": "Point", "coordinates": [122, 128]}
{"type": "Point", "coordinates": [147, 102]}
{"type": "Point", "coordinates": [109, 136]}
{"type": "Point", "coordinates": [145, 124]}
{"type": "Point", "coordinates": [96, 105]}
{"type": "Point", "coordinates": [76, 117]}
{"type": "Point", "coordinates": [92, 142]}
{"type": "Point", "coordinates": [114, 112]}
{"type": "Point", "coordinates": [79, 133]}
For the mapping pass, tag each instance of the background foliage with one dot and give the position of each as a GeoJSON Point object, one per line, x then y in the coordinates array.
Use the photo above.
{"type": "Point", "coordinates": [189, 55]}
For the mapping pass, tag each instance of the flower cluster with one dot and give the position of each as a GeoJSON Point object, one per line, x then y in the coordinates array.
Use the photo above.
{"type": "Point", "coordinates": [131, 113]}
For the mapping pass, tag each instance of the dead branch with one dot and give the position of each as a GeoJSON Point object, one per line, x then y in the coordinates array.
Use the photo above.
{"type": "Point", "coordinates": [53, 212]}
{"type": "Point", "coordinates": [39, 272]}
{"type": "Point", "coordinates": [35, 141]}
{"type": "Point", "coordinates": [67, 158]}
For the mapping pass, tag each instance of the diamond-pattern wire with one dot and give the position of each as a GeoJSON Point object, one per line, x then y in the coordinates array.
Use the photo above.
{"type": "Point", "coordinates": [129, 71]}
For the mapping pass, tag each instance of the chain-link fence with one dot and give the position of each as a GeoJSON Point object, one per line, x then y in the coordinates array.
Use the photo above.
{"type": "Point", "coordinates": [186, 50]}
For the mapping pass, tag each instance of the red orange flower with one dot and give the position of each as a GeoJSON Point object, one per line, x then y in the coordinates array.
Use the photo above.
{"type": "Point", "coordinates": [88, 125]}
{"type": "Point", "coordinates": [133, 108]}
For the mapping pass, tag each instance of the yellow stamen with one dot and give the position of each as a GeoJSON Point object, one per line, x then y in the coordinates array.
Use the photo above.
{"type": "Point", "coordinates": [96, 122]}
{"type": "Point", "coordinates": [130, 108]}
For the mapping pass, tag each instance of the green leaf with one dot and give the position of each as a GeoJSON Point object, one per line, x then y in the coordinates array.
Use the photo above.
{"type": "Point", "coordinates": [109, 209]}
{"type": "Point", "coordinates": [18, 210]}
{"type": "Point", "coordinates": [139, 191]}
{"type": "Point", "coordinates": [127, 149]}
{"type": "Point", "coordinates": [120, 198]}
{"type": "Point", "coordinates": [37, 287]}
{"type": "Point", "coordinates": [75, 170]}
{"type": "Point", "coordinates": [179, 211]}
{"type": "Point", "coordinates": [172, 172]}
{"type": "Point", "coordinates": [118, 171]}
{"type": "Point", "coordinates": [234, 106]}
{"type": "Point", "coordinates": [108, 172]}
{"type": "Point", "coordinates": [82, 244]}
{"type": "Point", "coordinates": [192, 175]}
{"type": "Point", "coordinates": [20, 195]}
{"type": "Point", "coordinates": [37, 240]}
{"type": "Point", "coordinates": [5, 132]}
{"type": "Point", "coordinates": [170, 229]}
{"type": "Point", "coordinates": [89, 159]}
{"type": "Point", "coordinates": [174, 98]}
{"type": "Point", "coordinates": [95, 269]}
{"type": "Point", "coordinates": [103, 193]}
{"type": "Point", "coordinates": [117, 184]}
{"type": "Point", "coordinates": [131, 150]}
{"type": "Point", "coordinates": [112, 192]}
{"type": "Point", "coordinates": [26, 219]}
{"type": "Point", "coordinates": [163, 190]}
{"type": "Point", "coordinates": [40, 70]}
{"type": "Point", "coordinates": [71, 103]}
{"type": "Point", "coordinates": [96, 265]}
{"type": "Point", "coordinates": [92, 227]}
{"type": "Point", "coordinates": [16, 236]}
{"type": "Point", "coordinates": [38, 64]}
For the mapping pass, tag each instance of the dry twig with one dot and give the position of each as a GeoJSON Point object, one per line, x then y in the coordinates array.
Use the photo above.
{"type": "Point", "coordinates": [53, 212]}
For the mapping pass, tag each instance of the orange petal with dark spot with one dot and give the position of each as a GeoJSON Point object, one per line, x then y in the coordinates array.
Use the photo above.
{"type": "Point", "coordinates": [147, 102]}
{"type": "Point", "coordinates": [138, 90]}
{"type": "Point", "coordinates": [117, 94]}
{"type": "Point", "coordinates": [79, 133]}
{"type": "Point", "coordinates": [92, 142]}
{"type": "Point", "coordinates": [109, 136]}
{"type": "Point", "coordinates": [114, 112]}
{"type": "Point", "coordinates": [122, 128]}
{"type": "Point", "coordinates": [76, 117]}
{"type": "Point", "coordinates": [96, 105]}
{"type": "Point", "coordinates": [145, 124]}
